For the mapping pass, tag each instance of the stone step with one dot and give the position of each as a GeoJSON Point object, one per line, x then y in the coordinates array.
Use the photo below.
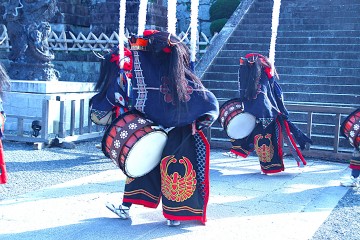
{"type": "Point", "coordinates": [321, 71]}
{"type": "Point", "coordinates": [328, 99]}
{"type": "Point", "coordinates": [296, 47]}
{"type": "Point", "coordinates": [317, 40]}
{"type": "Point", "coordinates": [222, 100]}
{"type": "Point", "coordinates": [297, 96]}
{"type": "Point", "coordinates": [346, 105]}
{"type": "Point", "coordinates": [319, 27]}
{"type": "Point", "coordinates": [315, 71]}
{"type": "Point", "coordinates": [293, 40]}
{"type": "Point", "coordinates": [329, 19]}
{"type": "Point", "coordinates": [256, 33]}
{"type": "Point", "coordinates": [219, 86]}
{"type": "Point", "coordinates": [289, 62]}
{"type": "Point", "coordinates": [292, 78]}
{"type": "Point", "coordinates": [297, 33]}
{"type": "Point", "coordinates": [247, 40]}
{"type": "Point", "coordinates": [351, 11]}
{"type": "Point", "coordinates": [292, 54]}
{"type": "Point", "coordinates": [301, 79]}
{"type": "Point", "coordinates": [297, 27]}
{"type": "Point", "coordinates": [305, 7]}
{"type": "Point", "coordinates": [322, 88]}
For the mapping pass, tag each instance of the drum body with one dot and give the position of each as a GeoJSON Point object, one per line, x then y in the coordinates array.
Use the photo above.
{"type": "Point", "coordinates": [237, 123]}
{"type": "Point", "coordinates": [350, 128]}
{"type": "Point", "coordinates": [134, 144]}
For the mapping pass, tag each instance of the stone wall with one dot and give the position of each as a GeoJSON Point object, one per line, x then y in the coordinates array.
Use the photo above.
{"type": "Point", "coordinates": [102, 16]}
{"type": "Point", "coordinates": [75, 16]}
{"type": "Point", "coordinates": [183, 15]}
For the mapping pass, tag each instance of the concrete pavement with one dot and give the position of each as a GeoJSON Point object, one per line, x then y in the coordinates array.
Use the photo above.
{"type": "Point", "coordinates": [243, 204]}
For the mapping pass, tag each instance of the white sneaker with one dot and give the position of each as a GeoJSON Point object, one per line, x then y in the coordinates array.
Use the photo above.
{"type": "Point", "coordinates": [173, 223]}
{"type": "Point", "coordinates": [351, 182]}
{"type": "Point", "coordinates": [230, 154]}
{"type": "Point", "coordinates": [122, 211]}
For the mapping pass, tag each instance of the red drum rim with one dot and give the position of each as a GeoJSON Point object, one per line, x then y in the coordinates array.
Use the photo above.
{"type": "Point", "coordinates": [109, 128]}
{"type": "Point", "coordinates": [352, 132]}
{"type": "Point", "coordinates": [224, 107]}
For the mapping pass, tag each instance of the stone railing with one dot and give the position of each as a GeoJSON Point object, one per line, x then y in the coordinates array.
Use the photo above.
{"type": "Point", "coordinates": [68, 42]}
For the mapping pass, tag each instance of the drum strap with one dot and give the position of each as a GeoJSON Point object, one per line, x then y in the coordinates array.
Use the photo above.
{"type": "Point", "coordinates": [124, 134]}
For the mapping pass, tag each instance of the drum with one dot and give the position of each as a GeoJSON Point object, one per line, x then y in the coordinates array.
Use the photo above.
{"type": "Point", "coordinates": [134, 143]}
{"type": "Point", "coordinates": [350, 128]}
{"type": "Point", "coordinates": [237, 123]}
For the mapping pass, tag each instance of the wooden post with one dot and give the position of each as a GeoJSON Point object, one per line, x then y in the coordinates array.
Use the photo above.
{"type": "Point", "coordinates": [336, 133]}
{"type": "Point", "coordinates": [309, 127]}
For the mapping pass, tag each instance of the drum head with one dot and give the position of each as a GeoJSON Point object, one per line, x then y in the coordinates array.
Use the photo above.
{"type": "Point", "coordinates": [241, 126]}
{"type": "Point", "coordinates": [145, 155]}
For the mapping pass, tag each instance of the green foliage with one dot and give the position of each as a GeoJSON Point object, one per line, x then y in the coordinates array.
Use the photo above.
{"type": "Point", "coordinates": [217, 25]}
{"type": "Point", "coordinates": [223, 9]}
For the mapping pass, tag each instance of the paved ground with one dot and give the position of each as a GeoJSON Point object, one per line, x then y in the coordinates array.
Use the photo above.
{"type": "Point", "coordinates": [58, 193]}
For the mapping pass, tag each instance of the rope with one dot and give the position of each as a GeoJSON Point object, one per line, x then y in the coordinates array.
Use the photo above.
{"type": "Point", "coordinates": [122, 12]}
{"type": "Point", "coordinates": [194, 32]}
{"type": "Point", "coordinates": [274, 29]}
{"type": "Point", "coordinates": [172, 17]}
{"type": "Point", "coordinates": [142, 17]}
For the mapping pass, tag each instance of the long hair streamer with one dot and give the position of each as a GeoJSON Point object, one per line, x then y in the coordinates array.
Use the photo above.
{"type": "Point", "coordinates": [172, 17]}
{"type": "Point", "coordinates": [194, 32]}
{"type": "Point", "coordinates": [274, 29]}
{"type": "Point", "coordinates": [142, 17]}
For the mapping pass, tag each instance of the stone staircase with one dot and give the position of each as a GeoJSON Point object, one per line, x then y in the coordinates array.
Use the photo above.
{"type": "Point", "coordinates": [317, 58]}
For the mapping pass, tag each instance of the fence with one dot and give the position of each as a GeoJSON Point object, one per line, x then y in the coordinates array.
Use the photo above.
{"type": "Point", "coordinates": [340, 112]}
{"type": "Point", "coordinates": [321, 149]}
{"type": "Point", "coordinates": [68, 42]}
{"type": "Point", "coordinates": [71, 128]}
{"type": "Point", "coordinates": [81, 127]}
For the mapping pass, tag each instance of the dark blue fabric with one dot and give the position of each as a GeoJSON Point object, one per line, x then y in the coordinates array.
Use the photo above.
{"type": "Point", "coordinates": [269, 103]}
{"type": "Point", "coordinates": [169, 114]}
{"type": "Point", "coordinates": [265, 104]}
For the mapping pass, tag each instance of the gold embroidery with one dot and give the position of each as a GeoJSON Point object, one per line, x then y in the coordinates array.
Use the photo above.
{"type": "Point", "coordinates": [265, 152]}
{"type": "Point", "coordinates": [175, 187]}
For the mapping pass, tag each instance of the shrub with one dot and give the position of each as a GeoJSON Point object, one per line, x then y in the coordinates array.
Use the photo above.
{"type": "Point", "coordinates": [223, 9]}
{"type": "Point", "coordinates": [217, 25]}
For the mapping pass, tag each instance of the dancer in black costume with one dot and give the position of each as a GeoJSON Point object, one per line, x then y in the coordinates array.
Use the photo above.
{"type": "Point", "coordinates": [164, 88]}
{"type": "Point", "coordinates": [262, 97]}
